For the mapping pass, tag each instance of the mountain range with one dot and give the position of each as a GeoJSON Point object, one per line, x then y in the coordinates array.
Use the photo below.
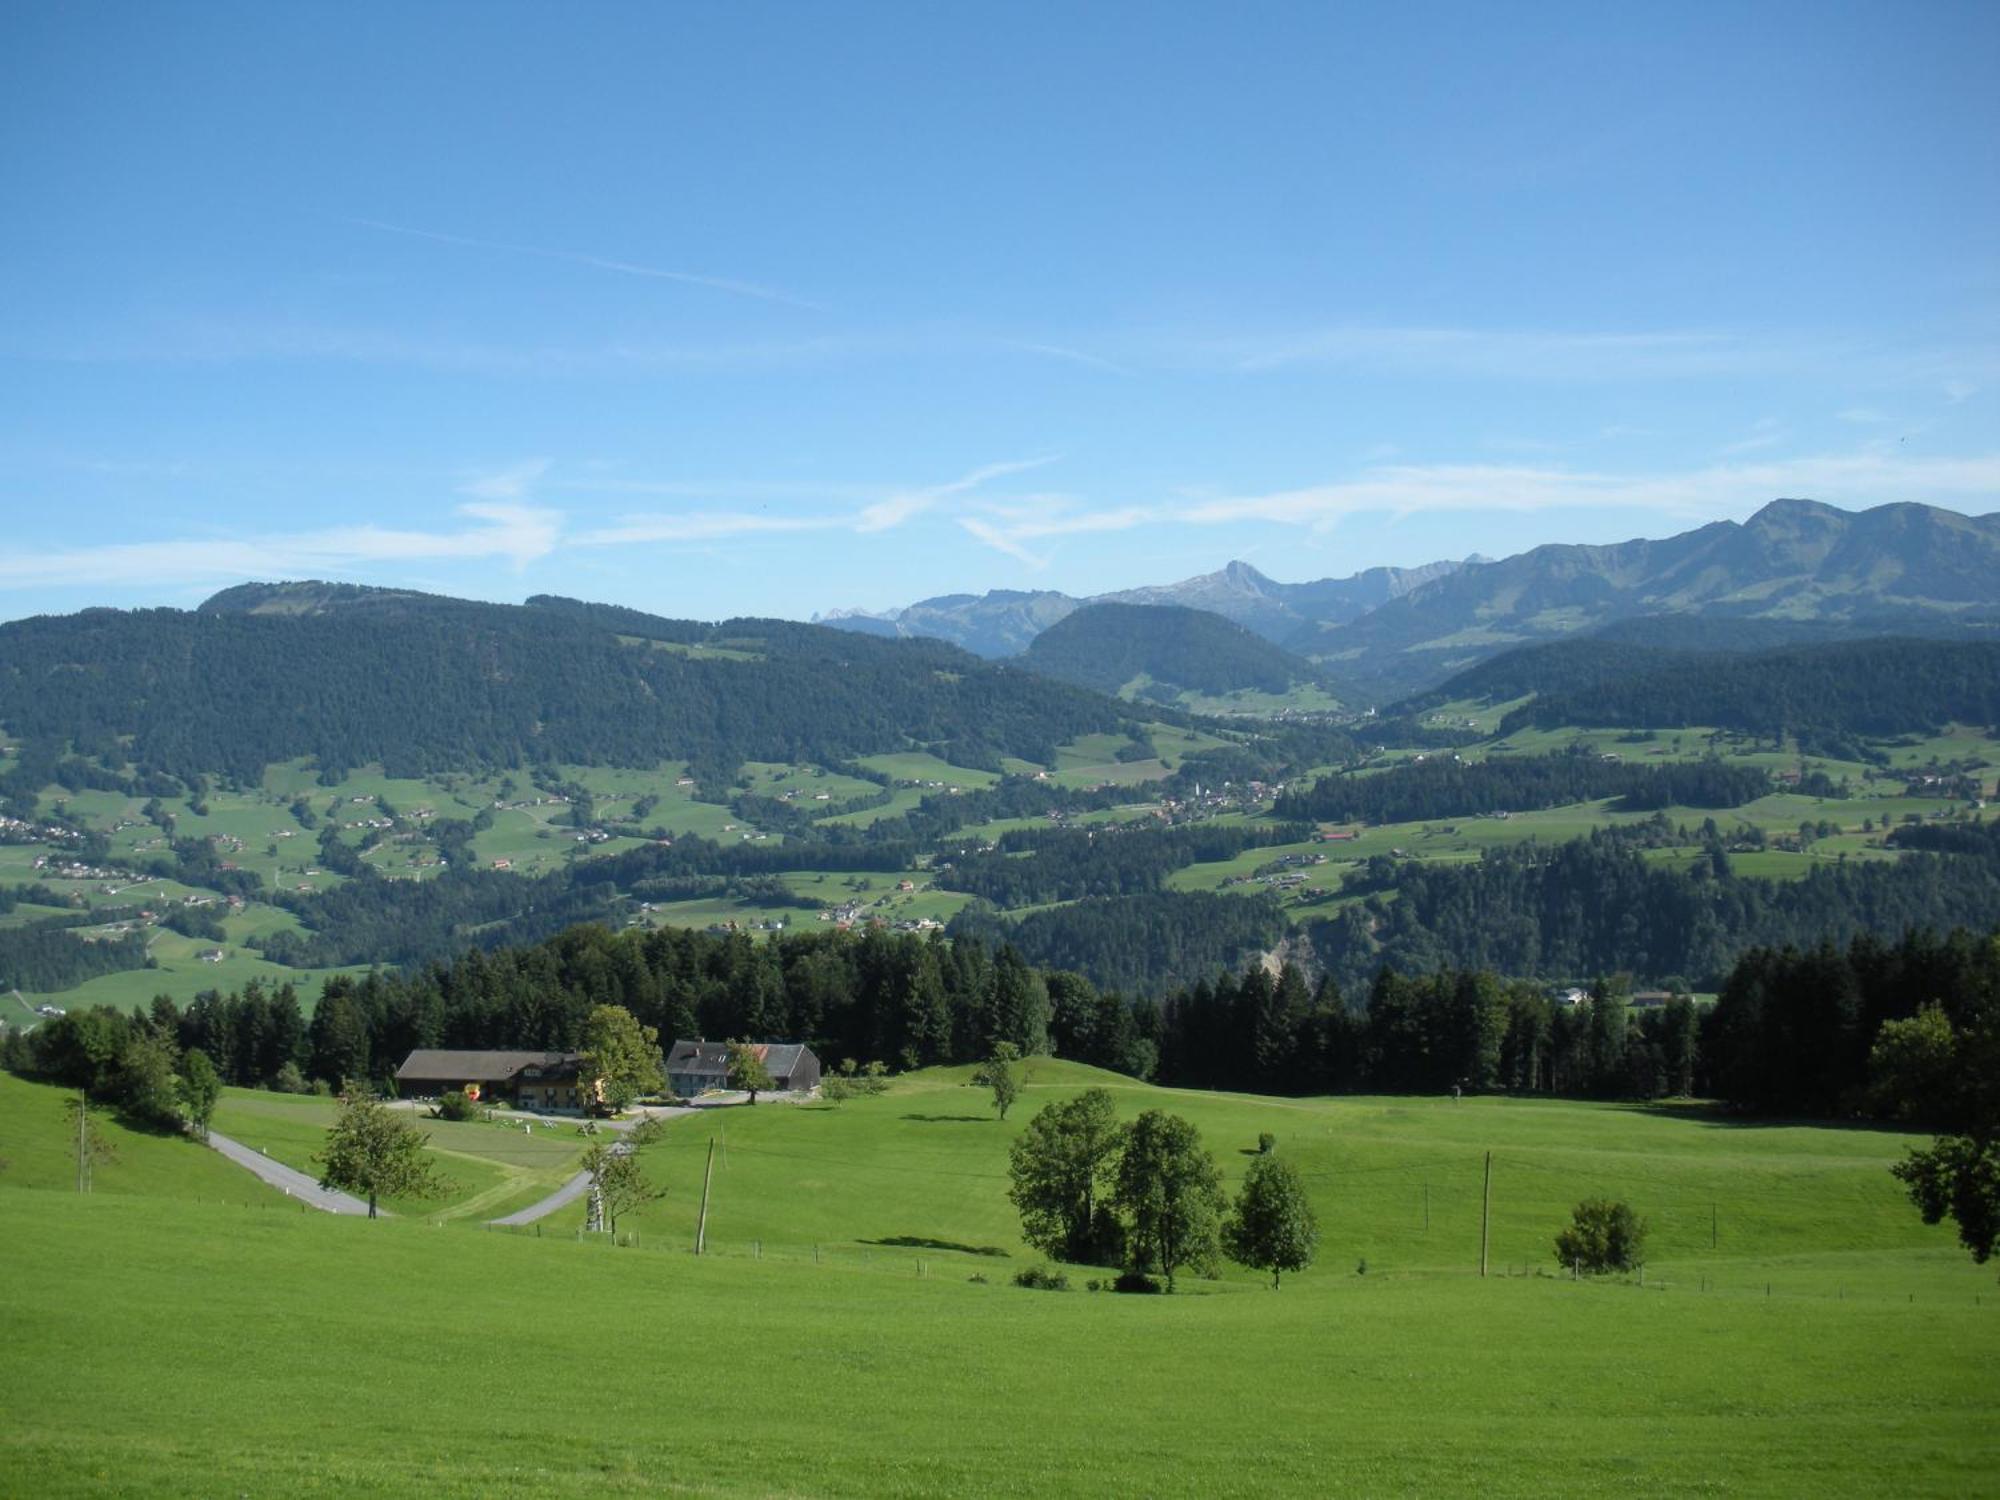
{"type": "Point", "coordinates": [1795, 570]}
{"type": "Point", "coordinates": [1003, 621]}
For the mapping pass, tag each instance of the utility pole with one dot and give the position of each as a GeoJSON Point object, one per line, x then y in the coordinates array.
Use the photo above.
{"type": "Point", "coordinates": [1485, 1213]}
{"type": "Point", "coordinates": [701, 1224]}
{"type": "Point", "coordinates": [82, 1135]}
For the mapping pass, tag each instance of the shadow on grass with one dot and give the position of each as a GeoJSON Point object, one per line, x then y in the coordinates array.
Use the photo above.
{"type": "Point", "coordinates": [950, 1119]}
{"type": "Point", "coordinates": [923, 1242]}
{"type": "Point", "coordinates": [1721, 1115]}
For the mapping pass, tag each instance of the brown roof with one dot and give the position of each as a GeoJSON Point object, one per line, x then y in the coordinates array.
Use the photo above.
{"type": "Point", "coordinates": [447, 1066]}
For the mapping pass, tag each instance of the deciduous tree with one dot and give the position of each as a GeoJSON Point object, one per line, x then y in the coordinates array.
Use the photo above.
{"type": "Point", "coordinates": [200, 1090]}
{"type": "Point", "coordinates": [999, 1073]}
{"type": "Point", "coordinates": [1171, 1194]}
{"type": "Point", "coordinates": [1061, 1167]}
{"type": "Point", "coordinates": [747, 1070]}
{"type": "Point", "coordinates": [372, 1152]}
{"type": "Point", "coordinates": [1273, 1228]}
{"type": "Point", "coordinates": [618, 1183]}
{"type": "Point", "coordinates": [620, 1056]}
{"type": "Point", "coordinates": [1603, 1236]}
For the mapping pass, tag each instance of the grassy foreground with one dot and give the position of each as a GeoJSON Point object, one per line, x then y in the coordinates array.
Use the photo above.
{"type": "Point", "coordinates": [158, 1345]}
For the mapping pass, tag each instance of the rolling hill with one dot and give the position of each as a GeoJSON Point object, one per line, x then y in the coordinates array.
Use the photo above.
{"type": "Point", "coordinates": [418, 683]}
{"type": "Point", "coordinates": [1161, 652]}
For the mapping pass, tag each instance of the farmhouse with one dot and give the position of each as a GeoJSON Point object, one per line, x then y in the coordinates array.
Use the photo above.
{"type": "Point", "coordinates": [540, 1080]}
{"type": "Point", "coordinates": [695, 1067]}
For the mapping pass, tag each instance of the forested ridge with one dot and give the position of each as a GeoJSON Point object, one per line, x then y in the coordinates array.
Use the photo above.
{"type": "Point", "coordinates": [425, 685]}
{"type": "Point", "coordinates": [1544, 911]}
{"type": "Point", "coordinates": [1445, 786]}
{"type": "Point", "coordinates": [1105, 646]}
{"type": "Point", "coordinates": [1877, 686]}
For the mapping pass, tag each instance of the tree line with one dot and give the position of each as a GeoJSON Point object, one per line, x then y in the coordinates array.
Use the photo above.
{"type": "Point", "coordinates": [1443, 786]}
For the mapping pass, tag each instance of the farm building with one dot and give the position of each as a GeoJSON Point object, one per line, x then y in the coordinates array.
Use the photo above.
{"type": "Point", "coordinates": [542, 1080]}
{"type": "Point", "coordinates": [696, 1067]}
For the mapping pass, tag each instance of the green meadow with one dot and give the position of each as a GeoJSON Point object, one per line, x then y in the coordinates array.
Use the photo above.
{"type": "Point", "coordinates": [854, 1329]}
{"type": "Point", "coordinates": [491, 1167]}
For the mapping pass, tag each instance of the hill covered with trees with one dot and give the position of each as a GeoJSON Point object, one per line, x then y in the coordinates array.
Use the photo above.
{"type": "Point", "coordinates": [1106, 647]}
{"type": "Point", "coordinates": [418, 684]}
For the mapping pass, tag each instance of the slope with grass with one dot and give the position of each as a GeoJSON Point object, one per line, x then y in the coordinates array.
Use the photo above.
{"type": "Point", "coordinates": [38, 1143]}
{"type": "Point", "coordinates": [223, 1350]}
{"type": "Point", "coordinates": [493, 1166]}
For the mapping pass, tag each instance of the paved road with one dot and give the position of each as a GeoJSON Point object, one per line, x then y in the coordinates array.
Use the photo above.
{"type": "Point", "coordinates": [295, 1184]}
{"type": "Point", "coordinates": [578, 1185]}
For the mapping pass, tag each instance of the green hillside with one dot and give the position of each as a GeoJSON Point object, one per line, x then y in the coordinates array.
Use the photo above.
{"type": "Point", "coordinates": [1167, 653]}
{"type": "Point", "coordinates": [1827, 1344]}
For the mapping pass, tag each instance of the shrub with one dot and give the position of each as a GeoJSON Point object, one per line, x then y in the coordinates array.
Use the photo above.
{"type": "Point", "coordinates": [835, 1089]}
{"type": "Point", "coordinates": [289, 1080]}
{"type": "Point", "coordinates": [1136, 1281]}
{"type": "Point", "coordinates": [1603, 1236]}
{"type": "Point", "coordinates": [456, 1106]}
{"type": "Point", "coordinates": [1042, 1279]}
{"type": "Point", "coordinates": [1266, 1143]}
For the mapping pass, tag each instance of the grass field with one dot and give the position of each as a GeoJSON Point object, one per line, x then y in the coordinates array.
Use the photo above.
{"type": "Point", "coordinates": [220, 1350]}
{"type": "Point", "coordinates": [494, 1168]}
{"type": "Point", "coordinates": [37, 1143]}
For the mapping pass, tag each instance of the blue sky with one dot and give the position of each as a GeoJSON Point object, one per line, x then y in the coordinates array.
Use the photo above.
{"type": "Point", "coordinates": [759, 309]}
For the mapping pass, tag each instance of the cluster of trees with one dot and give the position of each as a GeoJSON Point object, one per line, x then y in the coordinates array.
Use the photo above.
{"type": "Point", "coordinates": [1455, 1028]}
{"type": "Point", "coordinates": [1596, 905]}
{"type": "Point", "coordinates": [1802, 1031]}
{"type": "Point", "coordinates": [133, 1062]}
{"type": "Point", "coordinates": [1586, 906]}
{"type": "Point", "coordinates": [1446, 787]}
{"type": "Point", "coordinates": [1142, 945]}
{"type": "Point", "coordinates": [1070, 864]}
{"type": "Point", "coordinates": [46, 956]}
{"type": "Point", "coordinates": [1849, 688]}
{"type": "Point", "coordinates": [1148, 1196]}
{"type": "Point", "coordinates": [906, 1000]}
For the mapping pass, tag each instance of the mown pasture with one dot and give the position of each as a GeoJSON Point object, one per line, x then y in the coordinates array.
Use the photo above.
{"type": "Point", "coordinates": [222, 1349]}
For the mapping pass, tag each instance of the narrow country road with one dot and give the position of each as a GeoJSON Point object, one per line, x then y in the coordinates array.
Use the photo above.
{"type": "Point", "coordinates": [562, 1197]}
{"type": "Point", "coordinates": [295, 1183]}
{"type": "Point", "coordinates": [578, 1185]}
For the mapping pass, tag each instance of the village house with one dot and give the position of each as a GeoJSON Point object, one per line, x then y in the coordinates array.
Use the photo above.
{"type": "Point", "coordinates": [535, 1080]}
{"type": "Point", "coordinates": [696, 1067]}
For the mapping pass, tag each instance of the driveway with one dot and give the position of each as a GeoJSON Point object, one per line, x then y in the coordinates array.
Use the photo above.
{"type": "Point", "coordinates": [578, 1185]}
{"type": "Point", "coordinates": [295, 1183]}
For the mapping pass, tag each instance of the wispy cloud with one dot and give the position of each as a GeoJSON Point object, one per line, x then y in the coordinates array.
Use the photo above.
{"type": "Point", "coordinates": [1503, 353]}
{"type": "Point", "coordinates": [1865, 478]}
{"type": "Point", "coordinates": [1068, 355]}
{"type": "Point", "coordinates": [1766, 432]}
{"type": "Point", "coordinates": [515, 483]}
{"type": "Point", "coordinates": [1008, 527]}
{"type": "Point", "coordinates": [898, 508]}
{"type": "Point", "coordinates": [733, 287]}
{"type": "Point", "coordinates": [519, 534]}
{"type": "Point", "coordinates": [699, 526]}
{"type": "Point", "coordinates": [861, 513]}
